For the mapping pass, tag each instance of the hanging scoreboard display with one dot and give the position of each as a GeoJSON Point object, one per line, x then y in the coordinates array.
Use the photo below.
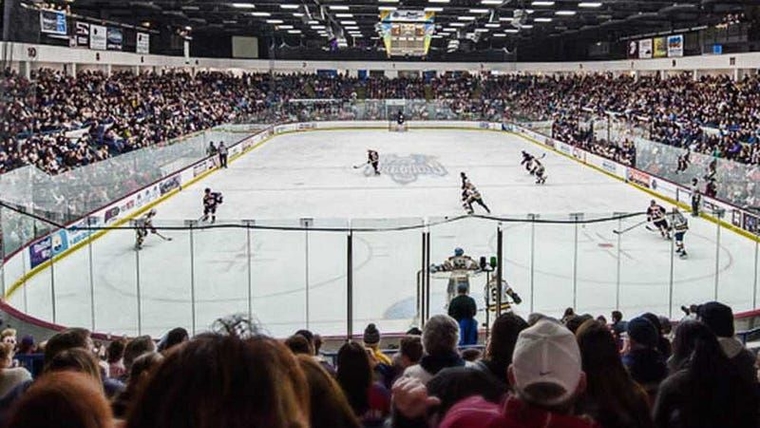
{"type": "Point", "coordinates": [407, 32]}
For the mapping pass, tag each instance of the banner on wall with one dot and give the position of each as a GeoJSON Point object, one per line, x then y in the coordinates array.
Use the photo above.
{"type": "Point", "coordinates": [82, 34]}
{"type": "Point", "coordinates": [143, 43]}
{"type": "Point", "coordinates": [660, 47]}
{"type": "Point", "coordinates": [633, 49]}
{"type": "Point", "coordinates": [675, 45]}
{"type": "Point", "coordinates": [645, 48]}
{"type": "Point", "coordinates": [115, 39]}
{"type": "Point", "coordinates": [97, 37]}
{"type": "Point", "coordinates": [53, 22]}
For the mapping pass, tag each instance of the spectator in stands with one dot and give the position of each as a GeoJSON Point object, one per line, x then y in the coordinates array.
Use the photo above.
{"type": "Point", "coordinates": [372, 341]}
{"type": "Point", "coordinates": [409, 354]}
{"type": "Point", "coordinates": [720, 319]}
{"type": "Point", "coordinates": [329, 406]}
{"type": "Point", "coordinates": [77, 360]}
{"type": "Point", "coordinates": [547, 378]}
{"type": "Point", "coordinates": [10, 376]}
{"type": "Point", "coordinates": [663, 344]}
{"type": "Point", "coordinates": [224, 381]}
{"type": "Point", "coordinates": [142, 368]}
{"type": "Point", "coordinates": [369, 400]}
{"type": "Point", "coordinates": [455, 384]}
{"type": "Point", "coordinates": [500, 347]}
{"type": "Point", "coordinates": [173, 337]}
{"type": "Point", "coordinates": [569, 313]}
{"type": "Point", "coordinates": [439, 340]}
{"type": "Point", "coordinates": [138, 346]}
{"type": "Point", "coordinates": [8, 335]}
{"type": "Point", "coordinates": [222, 155]}
{"type": "Point", "coordinates": [618, 326]}
{"type": "Point", "coordinates": [574, 322]}
{"type": "Point", "coordinates": [463, 309]}
{"type": "Point", "coordinates": [115, 358]}
{"type": "Point", "coordinates": [612, 398]}
{"type": "Point", "coordinates": [706, 390]}
{"type": "Point", "coordinates": [315, 343]}
{"type": "Point", "coordinates": [299, 345]}
{"type": "Point", "coordinates": [62, 399]}
{"type": "Point", "coordinates": [641, 357]}
{"type": "Point", "coordinates": [27, 346]}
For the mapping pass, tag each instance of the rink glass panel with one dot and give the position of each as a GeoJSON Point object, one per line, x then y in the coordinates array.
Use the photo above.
{"type": "Point", "coordinates": [165, 279]}
{"type": "Point", "coordinates": [326, 276]}
{"type": "Point", "coordinates": [383, 261]}
{"type": "Point", "coordinates": [279, 276]}
{"type": "Point", "coordinates": [554, 270]}
{"type": "Point", "coordinates": [596, 270]}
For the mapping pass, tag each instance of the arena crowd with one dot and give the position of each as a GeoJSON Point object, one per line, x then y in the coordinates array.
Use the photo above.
{"type": "Point", "coordinates": [574, 371]}
{"type": "Point", "coordinates": [57, 122]}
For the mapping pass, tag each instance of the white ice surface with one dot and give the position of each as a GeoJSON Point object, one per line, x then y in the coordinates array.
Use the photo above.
{"type": "Point", "coordinates": [311, 175]}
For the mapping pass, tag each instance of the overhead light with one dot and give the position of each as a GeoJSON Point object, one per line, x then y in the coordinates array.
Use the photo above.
{"type": "Point", "coordinates": [275, 21]}
{"type": "Point", "coordinates": [492, 25]}
{"type": "Point", "coordinates": [457, 24]}
{"type": "Point", "coordinates": [348, 22]}
{"type": "Point", "coordinates": [387, 1]}
{"type": "Point", "coordinates": [289, 6]}
{"type": "Point", "coordinates": [261, 14]}
{"type": "Point", "coordinates": [482, 30]}
{"type": "Point", "coordinates": [344, 15]}
{"type": "Point", "coordinates": [338, 7]}
{"type": "Point", "coordinates": [527, 26]}
{"type": "Point", "coordinates": [352, 27]}
{"type": "Point", "coordinates": [439, 1]}
{"type": "Point", "coordinates": [542, 3]}
{"type": "Point", "coordinates": [284, 27]}
{"type": "Point", "coordinates": [590, 4]}
{"type": "Point", "coordinates": [189, 28]}
{"type": "Point", "coordinates": [317, 27]}
{"type": "Point", "coordinates": [243, 5]}
{"type": "Point", "coordinates": [478, 11]}
{"type": "Point", "coordinates": [387, 8]}
{"type": "Point", "coordinates": [433, 9]}
{"type": "Point", "coordinates": [294, 31]}
{"type": "Point", "coordinates": [565, 12]}
{"type": "Point", "coordinates": [500, 35]}
{"type": "Point", "coordinates": [492, 2]}
{"type": "Point", "coordinates": [298, 15]}
{"type": "Point", "coordinates": [466, 18]}
{"type": "Point", "coordinates": [512, 30]}
{"type": "Point", "coordinates": [542, 20]}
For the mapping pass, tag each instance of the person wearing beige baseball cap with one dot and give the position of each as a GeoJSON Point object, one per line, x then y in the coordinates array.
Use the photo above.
{"type": "Point", "coordinates": [547, 378]}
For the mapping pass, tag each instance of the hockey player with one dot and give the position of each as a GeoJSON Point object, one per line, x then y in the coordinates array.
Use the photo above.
{"type": "Point", "coordinates": [539, 171]}
{"type": "Point", "coordinates": [401, 120]}
{"type": "Point", "coordinates": [373, 158]}
{"type": "Point", "coordinates": [460, 265]}
{"type": "Point", "coordinates": [696, 197]}
{"type": "Point", "coordinates": [657, 215]}
{"type": "Point", "coordinates": [470, 195]}
{"type": "Point", "coordinates": [465, 180]}
{"type": "Point", "coordinates": [143, 226]}
{"type": "Point", "coordinates": [527, 161]}
{"type": "Point", "coordinates": [211, 200]}
{"type": "Point", "coordinates": [683, 161]}
{"type": "Point", "coordinates": [712, 172]}
{"type": "Point", "coordinates": [507, 293]}
{"type": "Point", "coordinates": [680, 226]}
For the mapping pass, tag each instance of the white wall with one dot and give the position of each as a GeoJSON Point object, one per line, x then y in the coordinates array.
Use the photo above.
{"type": "Point", "coordinates": [85, 58]}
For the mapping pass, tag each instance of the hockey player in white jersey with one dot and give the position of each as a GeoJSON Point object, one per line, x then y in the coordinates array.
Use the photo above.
{"type": "Point", "coordinates": [471, 194]}
{"type": "Point", "coordinates": [143, 226]}
{"type": "Point", "coordinates": [680, 226]}
{"type": "Point", "coordinates": [460, 266]}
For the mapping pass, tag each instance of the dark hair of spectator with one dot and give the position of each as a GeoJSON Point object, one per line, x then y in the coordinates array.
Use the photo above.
{"type": "Point", "coordinates": [329, 406]}
{"type": "Point", "coordinates": [617, 316]}
{"type": "Point", "coordinates": [354, 375]}
{"type": "Point", "coordinates": [62, 399]}
{"type": "Point", "coordinates": [501, 344]}
{"type": "Point", "coordinates": [78, 360]}
{"type": "Point", "coordinates": [224, 381]}
{"type": "Point", "coordinates": [411, 347]}
{"type": "Point", "coordinates": [115, 351]}
{"type": "Point", "coordinates": [138, 346]}
{"type": "Point", "coordinates": [67, 339]}
{"type": "Point", "coordinates": [611, 396]}
{"type": "Point", "coordinates": [454, 384]}
{"type": "Point", "coordinates": [299, 345]}
{"type": "Point", "coordinates": [175, 337]}
{"type": "Point", "coordinates": [141, 369]}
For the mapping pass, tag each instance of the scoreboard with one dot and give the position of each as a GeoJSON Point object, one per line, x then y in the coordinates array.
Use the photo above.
{"type": "Point", "coordinates": [407, 32]}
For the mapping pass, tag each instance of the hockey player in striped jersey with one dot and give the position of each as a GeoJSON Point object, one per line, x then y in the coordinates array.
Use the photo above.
{"type": "Point", "coordinates": [680, 226]}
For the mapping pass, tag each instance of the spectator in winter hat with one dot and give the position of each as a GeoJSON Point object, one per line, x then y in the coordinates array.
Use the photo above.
{"type": "Point", "coordinates": [720, 319]}
{"type": "Point", "coordinates": [641, 357]}
{"type": "Point", "coordinates": [372, 341]}
{"type": "Point", "coordinates": [547, 378]}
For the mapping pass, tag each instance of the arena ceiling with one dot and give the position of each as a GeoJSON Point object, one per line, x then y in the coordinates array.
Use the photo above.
{"type": "Point", "coordinates": [357, 19]}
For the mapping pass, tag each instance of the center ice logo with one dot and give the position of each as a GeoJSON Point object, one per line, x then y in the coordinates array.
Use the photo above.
{"type": "Point", "coordinates": [406, 169]}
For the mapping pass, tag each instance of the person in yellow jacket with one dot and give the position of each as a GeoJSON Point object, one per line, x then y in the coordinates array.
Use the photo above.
{"type": "Point", "coordinates": [372, 342]}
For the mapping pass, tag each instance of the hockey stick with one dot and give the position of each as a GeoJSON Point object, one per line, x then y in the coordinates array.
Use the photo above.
{"type": "Point", "coordinates": [620, 232]}
{"type": "Point", "coordinates": [165, 238]}
{"type": "Point", "coordinates": [360, 165]}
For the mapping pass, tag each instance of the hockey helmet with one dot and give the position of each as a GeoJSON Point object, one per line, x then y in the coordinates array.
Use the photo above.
{"type": "Point", "coordinates": [152, 212]}
{"type": "Point", "coordinates": [458, 252]}
{"type": "Point", "coordinates": [652, 202]}
{"type": "Point", "coordinates": [207, 190]}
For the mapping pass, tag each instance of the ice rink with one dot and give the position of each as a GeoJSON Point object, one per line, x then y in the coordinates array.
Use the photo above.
{"type": "Point", "coordinates": [311, 175]}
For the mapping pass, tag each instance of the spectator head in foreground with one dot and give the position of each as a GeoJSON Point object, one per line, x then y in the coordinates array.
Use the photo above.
{"type": "Point", "coordinates": [299, 345]}
{"type": "Point", "coordinates": [173, 337]}
{"type": "Point", "coordinates": [409, 351]}
{"type": "Point", "coordinates": [65, 398]}
{"type": "Point", "coordinates": [138, 346]}
{"type": "Point", "coordinates": [224, 381]}
{"type": "Point", "coordinates": [501, 345]}
{"type": "Point", "coordinates": [371, 336]}
{"type": "Point", "coordinates": [440, 335]}
{"type": "Point", "coordinates": [329, 406]}
{"type": "Point", "coordinates": [546, 366]}
{"type": "Point", "coordinates": [67, 339]}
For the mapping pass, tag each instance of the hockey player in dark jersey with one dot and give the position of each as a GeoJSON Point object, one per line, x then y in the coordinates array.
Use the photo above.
{"type": "Point", "coordinates": [400, 118]}
{"type": "Point", "coordinates": [712, 172]}
{"type": "Point", "coordinates": [211, 200]}
{"type": "Point", "coordinates": [373, 158]}
{"type": "Point", "coordinates": [527, 160]}
{"type": "Point", "coordinates": [696, 197]}
{"type": "Point", "coordinates": [465, 180]}
{"type": "Point", "coordinates": [683, 161]}
{"type": "Point", "coordinates": [680, 226]}
{"type": "Point", "coordinates": [657, 215]}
